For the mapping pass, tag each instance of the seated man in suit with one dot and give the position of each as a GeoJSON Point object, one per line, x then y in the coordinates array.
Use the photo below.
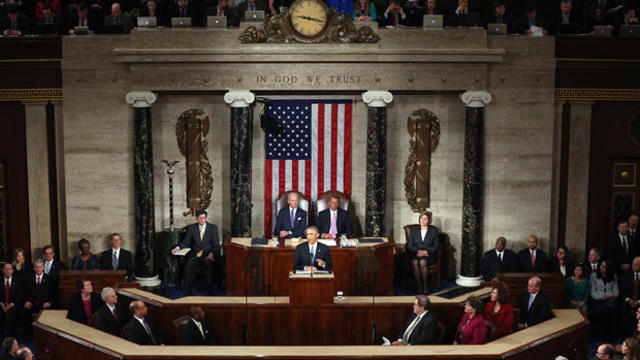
{"type": "Point", "coordinates": [84, 303]}
{"type": "Point", "coordinates": [39, 291]}
{"type": "Point", "coordinates": [184, 9]}
{"type": "Point", "coordinates": [49, 19]}
{"type": "Point", "coordinates": [202, 238]}
{"type": "Point", "coordinates": [563, 17]}
{"type": "Point", "coordinates": [498, 260]}
{"type": "Point", "coordinates": [195, 331]}
{"type": "Point", "coordinates": [620, 248]}
{"type": "Point", "coordinates": [15, 23]}
{"type": "Point", "coordinates": [333, 222]}
{"type": "Point", "coordinates": [630, 294]}
{"type": "Point", "coordinates": [532, 259]}
{"type": "Point", "coordinates": [422, 327]}
{"type": "Point", "coordinates": [117, 17]}
{"type": "Point", "coordinates": [535, 306]}
{"type": "Point", "coordinates": [250, 5]}
{"type": "Point", "coordinates": [499, 15]}
{"type": "Point", "coordinates": [82, 18]}
{"type": "Point", "coordinates": [461, 8]}
{"type": "Point", "coordinates": [12, 296]}
{"type": "Point", "coordinates": [312, 255]}
{"type": "Point", "coordinates": [139, 329]}
{"type": "Point", "coordinates": [111, 317]}
{"type": "Point", "coordinates": [394, 15]}
{"type": "Point", "coordinates": [291, 221]}
{"type": "Point", "coordinates": [531, 19]}
{"type": "Point", "coordinates": [223, 9]}
{"type": "Point", "coordinates": [117, 258]}
{"type": "Point", "coordinates": [592, 262]}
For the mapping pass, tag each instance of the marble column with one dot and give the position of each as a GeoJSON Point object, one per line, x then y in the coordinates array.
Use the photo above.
{"type": "Point", "coordinates": [241, 145]}
{"type": "Point", "coordinates": [472, 198]}
{"type": "Point", "coordinates": [38, 180]}
{"type": "Point", "coordinates": [144, 213]}
{"type": "Point", "coordinates": [376, 187]}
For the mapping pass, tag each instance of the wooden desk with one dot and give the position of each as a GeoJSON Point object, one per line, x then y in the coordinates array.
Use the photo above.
{"type": "Point", "coordinates": [58, 338]}
{"type": "Point", "coordinates": [311, 289]}
{"type": "Point", "coordinates": [99, 279]}
{"type": "Point", "coordinates": [552, 285]}
{"type": "Point", "coordinates": [272, 265]}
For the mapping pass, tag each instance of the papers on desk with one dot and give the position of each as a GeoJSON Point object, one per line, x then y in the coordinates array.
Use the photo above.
{"type": "Point", "coordinates": [182, 252]}
{"type": "Point", "coordinates": [328, 242]}
{"type": "Point", "coordinates": [312, 272]}
{"type": "Point", "coordinates": [385, 341]}
{"type": "Point", "coordinates": [536, 31]}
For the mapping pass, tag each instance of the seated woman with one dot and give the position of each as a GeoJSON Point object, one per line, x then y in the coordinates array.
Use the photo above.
{"type": "Point", "coordinates": [365, 11]}
{"type": "Point", "coordinates": [432, 8]}
{"type": "Point", "coordinates": [630, 349]}
{"type": "Point", "coordinates": [84, 303]}
{"type": "Point", "coordinates": [21, 268]}
{"type": "Point", "coordinates": [576, 289]}
{"type": "Point", "coordinates": [604, 292]}
{"type": "Point", "coordinates": [499, 312]}
{"type": "Point", "coordinates": [85, 260]}
{"type": "Point", "coordinates": [561, 263]}
{"type": "Point", "coordinates": [422, 246]}
{"type": "Point", "coordinates": [472, 328]}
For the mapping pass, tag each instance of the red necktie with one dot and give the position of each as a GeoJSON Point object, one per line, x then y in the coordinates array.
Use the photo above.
{"type": "Point", "coordinates": [533, 259]}
{"type": "Point", "coordinates": [7, 290]}
{"type": "Point", "coordinates": [38, 281]}
{"type": "Point", "coordinates": [115, 314]}
{"type": "Point", "coordinates": [624, 244]}
{"type": "Point", "coordinates": [635, 286]}
{"type": "Point", "coordinates": [394, 21]}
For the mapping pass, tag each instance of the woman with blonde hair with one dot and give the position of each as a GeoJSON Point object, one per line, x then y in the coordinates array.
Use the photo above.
{"type": "Point", "coordinates": [21, 268]}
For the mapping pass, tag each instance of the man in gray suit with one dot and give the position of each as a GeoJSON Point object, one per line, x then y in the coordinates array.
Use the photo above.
{"type": "Point", "coordinates": [117, 17]}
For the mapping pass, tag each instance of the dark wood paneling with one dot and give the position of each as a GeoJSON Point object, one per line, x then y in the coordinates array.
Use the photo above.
{"type": "Point", "coordinates": [552, 285]}
{"type": "Point", "coordinates": [99, 279]}
{"type": "Point", "coordinates": [31, 63]}
{"type": "Point", "coordinates": [13, 148]}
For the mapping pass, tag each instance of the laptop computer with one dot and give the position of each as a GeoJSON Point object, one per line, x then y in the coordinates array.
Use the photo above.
{"type": "Point", "coordinates": [630, 30]}
{"type": "Point", "coordinates": [254, 15]}
{"type": "Point", "coordinates": [147, 21]}
{"type": "Point", "coordinates": [180, 22]}
{"type": "Point", "coordinates": [432, 21]}
{"type": "Point", "coordinates": [468, 19]}
{"type": "Point", "coordinates": [602, 31]}
{"type": "Point", "coordinates": [81, 30]}
{"type": "Point", "coordinates": [217, 22]}
{"type": "Point", "coordinates": [497, 29]}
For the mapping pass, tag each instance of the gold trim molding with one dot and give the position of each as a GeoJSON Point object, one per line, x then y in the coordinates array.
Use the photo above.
{"type": "Point", "coordinates": [597, 94]}
{"type": "Point", "coordinates": [30, 94]}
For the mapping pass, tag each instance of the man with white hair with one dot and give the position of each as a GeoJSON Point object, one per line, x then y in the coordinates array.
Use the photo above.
{"type": "Point", "coordinates": [111, 317]}
{"type": "Point", "coordinates": [291, 221]}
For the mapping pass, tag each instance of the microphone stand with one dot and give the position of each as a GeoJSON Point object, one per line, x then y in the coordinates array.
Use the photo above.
{"type": "Point", "coordinates": [373, 303]}
{"type": "Point", "coordinates": [245, 332]}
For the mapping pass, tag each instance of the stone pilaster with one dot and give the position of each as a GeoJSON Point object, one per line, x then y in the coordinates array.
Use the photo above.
{"type": "Point", "coordinates": [376, 187]}
{"type": "Point", "coordinates": [143, 186]}
{"type": "Point", "coordinates": [241, 145]}
{"type": "Point", "coordinates": [472, 198]}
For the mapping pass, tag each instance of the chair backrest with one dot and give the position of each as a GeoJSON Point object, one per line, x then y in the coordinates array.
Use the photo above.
{"type": "Point", "coordinates": [407, 231]}
{"type": "Point", "coordinates": [440, 337]}
{"type": "Point", "coordinates": [178, 324]}
{"type": "Point", "coordinates": [516, 318]}
{"type": "Point", "coordinates": [323, 201]}
{"type": "Point", "coordinates": [281, 203]}
{"type": "Point", "coordinates": [491, 329]}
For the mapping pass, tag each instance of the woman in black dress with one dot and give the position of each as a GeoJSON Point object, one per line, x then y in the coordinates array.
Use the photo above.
{"type": "Point", "coordinates": [423, 248]}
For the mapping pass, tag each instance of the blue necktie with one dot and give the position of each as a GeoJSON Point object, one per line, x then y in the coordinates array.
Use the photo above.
{"type": "Point", "coordinates": [313, 257]}
{"type": "Point", "coordinates": [531, 297]}
{"type": "Point", "coordinates": [115, 261]}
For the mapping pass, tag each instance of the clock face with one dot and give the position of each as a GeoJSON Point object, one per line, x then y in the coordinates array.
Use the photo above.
{"type": "Point", "coordinates": [308, 17]}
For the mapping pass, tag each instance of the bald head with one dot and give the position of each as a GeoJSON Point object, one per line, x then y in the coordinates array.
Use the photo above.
{"type": "Point", "coordinates": [501, 243]}
{"type": "Point", "coordinates": [532, 242]}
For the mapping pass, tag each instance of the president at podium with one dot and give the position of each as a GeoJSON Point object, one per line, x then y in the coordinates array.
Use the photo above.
{"type": "Point", "coordinates": [312, 255]}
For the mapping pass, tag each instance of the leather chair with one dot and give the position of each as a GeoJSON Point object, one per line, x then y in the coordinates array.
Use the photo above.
{"type": "Point", "coordinates": [434, 269]}
{"type": "Point", "coordinates": [178, 324]}
{"type": "Point", "coordinates": [281, 203]}
{"type": "Point", "coordinates": [491, 330]}
{"type": "Point", "coordinates": [323, 201]}
{"type": "Point", "coordinates": [440, 336]}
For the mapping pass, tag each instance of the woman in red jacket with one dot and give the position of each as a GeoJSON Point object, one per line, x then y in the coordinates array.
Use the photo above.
{"type": "Point", "coordinates": [499, 312]}
{"type": "Point", "coordinates": [472, 329]}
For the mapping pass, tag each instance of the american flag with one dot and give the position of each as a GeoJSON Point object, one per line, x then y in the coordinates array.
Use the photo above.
{"type": "Point", "coordinates": [311, 155]}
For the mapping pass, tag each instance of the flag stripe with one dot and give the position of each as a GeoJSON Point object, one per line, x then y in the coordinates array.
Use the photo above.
{"type": "Point", "coordinates": [267, 196]}
{"type": "Point", "coordinates": [321, 154]}
{"type": "Point", "coordinates": [347, 149]}
{"type": "Point", "coordinates": [339, 133]}
{"type": "Point", "coordinates": [314, 150]}
{"type": "Point", "coordinates": [326, 185]}
{"type": "Point", "coordinates": [334, 144]}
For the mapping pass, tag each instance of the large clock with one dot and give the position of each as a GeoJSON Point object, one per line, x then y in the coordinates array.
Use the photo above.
{"type": "Point", "coordinates": [309, 20]}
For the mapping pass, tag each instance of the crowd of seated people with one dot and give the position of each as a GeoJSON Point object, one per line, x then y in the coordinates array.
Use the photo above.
{"type": "Point", "coordinates": [19, 17]}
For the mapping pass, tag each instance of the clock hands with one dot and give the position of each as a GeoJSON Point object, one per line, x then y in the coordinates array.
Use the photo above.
{"type": "Point", "coordinates": [309, 18]}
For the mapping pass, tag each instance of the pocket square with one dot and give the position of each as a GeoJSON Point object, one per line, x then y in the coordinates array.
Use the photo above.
{"type": "Point", "coordinates": [299, 218]}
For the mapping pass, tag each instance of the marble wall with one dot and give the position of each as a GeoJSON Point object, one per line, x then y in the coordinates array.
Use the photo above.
{"type": "Point", "coordinates": [517, 71]}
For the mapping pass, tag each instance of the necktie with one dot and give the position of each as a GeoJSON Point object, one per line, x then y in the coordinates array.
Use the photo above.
{"type": "Point", "coordinates": [533, 259]}
{"type": "Point", "coordinates": [7, 290]}
{"type": "Point", "coordinates": [47, 267]}
{"type": "Point", "coordinates": [115, 261]}
{"type": "Point", "coordinates": [115, 313]}
{"type": "Point", "coordinates": [38, 281]}
{"type": "Point", "coordinates": [183, 12]}
{"type": "Point", "coordinates": [624, 245]}
{"type": "Point", "coordinates": [636, 281]}
{"type": "Point", "coordinates": [531, 297]}
{"type": "Point", "coordinates": [394, 22]}
{"type": "Point", "coordinates": [500, 256]}
{"type": "Point", "coordinates": [565, 19]}
{"type": "Point", "coordinates": [334, 227]}
{"type": "Point", "coordinates": [252, 7]}
{"type": "Point", "coordinates": [407, 333]}
{"type": "Point", "coordinates": [200, 328]}
{"type": "Point", "coordinates": [14, 24]}
{"type": "Point", "coordinates": [201, 232]}
{"type": "Point", "coordinates": [312, 253]}
{"type": "Point", "coordinates": [148, 330]}
{"type": "Point", "coordinates": [116, 21]}
{"type": "Point", "coordinates": [293, 217]}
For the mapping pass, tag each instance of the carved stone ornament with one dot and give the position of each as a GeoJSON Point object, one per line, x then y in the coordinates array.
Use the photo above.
{"type": "Point", "coordinates": [335, 28]}
{"type": "Point", "coordinates": [141, 99]}
{"type": "Point", "coordinates": [191, 132]}
{"type": "Point", "coordinates": [424, 129]}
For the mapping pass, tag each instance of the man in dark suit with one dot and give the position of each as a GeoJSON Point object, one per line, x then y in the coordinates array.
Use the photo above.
{"type": "Point", "coordinates": [422, 327]}
{"type": "Point", "coordinates": [592, 262]}
{"type": "Point", "coordinates": [531, 18]}
{"type": "Point", "coordinates": [76, 310]}
{"type": "Point", "coordinates": [633, 232]}
{"type": "Point", "coordinates": [333, 222]}
{"type": "Point", "coordinates": [139, 329]}
{"type": "Point", "coordinates": [119, 18]}
{"type": "Point", "coordinates": [52, 268]}
{"type": "Point", "coordinates": [563, 17]}
{"type": "Point", "coordinates": [620, 248]}
{"type": "Point", "coordinates": [461, 9]}
{"type": "Point", "coordinates": [499, 15]}
{"type": "Point", "coordinates": [291, 221]}
{"type": "Point", "coordinates": [535, 306]}
{"type": "Point", "coordinates": [630, 295]}
{"type": "Point", "coordinates": [394, 15]}
{"type": "Point", "coordinates": [251, 5]}
{"type": "Point", "coordinates": [312, 255]}
{"type": "Point", "coordinates": [195, 331]}
{"type": "Point", "coordinates": [82, 18]}
{"type": "Point", "coordinates": [117, 258]}
{"type": "Point", "coordinates": [498, 260]}
{"type": "Point", "coordinates": [15, 23]}
{"type": "Point", "coordinates": [183, 8]}
{"type": "Point", "coordinates": [223, 9]}
{"type": "Point", "coordinates": [12, 299]}
{"type": "Point", "coordinates": [39, 292]}
{"type": "Point", "coordinates": [111, 317]}
{"type": "Point", "coordinates": [49, 24]}
{"type": "Point", "coordinates": [532, 259]}
{"type": "Point", "coordinates": [202, 238]}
